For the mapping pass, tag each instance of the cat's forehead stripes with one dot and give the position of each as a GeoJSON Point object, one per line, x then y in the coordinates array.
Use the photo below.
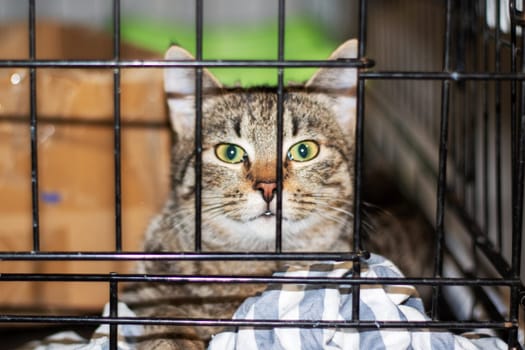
{"type": "Point", "coordinates": [237, 127]}
{"type": "Point", "coordinates": [295, 125]}
{"type": "Point", "coordinates": [245, 113]}
{"type": "Point", "coordinates": [240, 115]}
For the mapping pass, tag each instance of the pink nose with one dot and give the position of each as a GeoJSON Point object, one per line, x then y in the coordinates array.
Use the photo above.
{"type": "Point", "coordinates": [267, 189]}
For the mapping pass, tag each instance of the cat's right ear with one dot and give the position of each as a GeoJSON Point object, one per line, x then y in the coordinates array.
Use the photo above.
{"type": "Point", "coordinates": [179, 85]}
{"type": "Point", "coordinates": [341, 85]}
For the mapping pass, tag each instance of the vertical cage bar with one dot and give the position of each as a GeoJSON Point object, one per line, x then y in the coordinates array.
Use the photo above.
{"type": "Point", "coordinates": [517, 228]}
{"type": "Point", "coordinates": [113, 311]}
{"type": "Point", "coordinates": [442, 176]}
{"type": "Point", "coordinates": [199, 10]}
{"type": "Point", "coordinates": [471, 94]}
{"type": "Point", "coordinates": [513, 97]}
{"type": "Point", "coordinates": [33, 127]}
{"type": "Point", "coordinates": [116, 126]}
{"type": "Point", "coordinates": [485, 132]}
{"type": "Point", "coordinates": [518, 161]}
{"type": "Point", "coordinates": [358, 166]}
{"type": "Point", "coordinates": [515, 117]}
{"type": "Point", "coordinates": [453, 153]}
{"type": "Point", "coordinates": [280, 112]}
{"type": "Point", "coordinates": [113, 288]}
{"type": "Point", "coordinates": [478, 127]}
{"type": "Point", "coordinates": [497, 127]}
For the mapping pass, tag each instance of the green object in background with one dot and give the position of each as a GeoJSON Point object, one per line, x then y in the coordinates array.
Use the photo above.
{"type": "Point", "coordinates": [303, 40]}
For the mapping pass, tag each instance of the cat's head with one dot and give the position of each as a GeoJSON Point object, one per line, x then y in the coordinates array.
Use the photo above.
{"type": "Point", "coordinates": [239, 157]}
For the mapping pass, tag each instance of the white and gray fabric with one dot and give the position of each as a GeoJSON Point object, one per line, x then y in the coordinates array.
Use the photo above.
{"type": "Point", "coordinates": [308, 302]}
{"type": "Point", "coordinates": [334, 303]}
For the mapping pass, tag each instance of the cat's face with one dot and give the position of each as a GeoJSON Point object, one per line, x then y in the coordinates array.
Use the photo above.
{"type": "Point", "coordinates": [239, 160]}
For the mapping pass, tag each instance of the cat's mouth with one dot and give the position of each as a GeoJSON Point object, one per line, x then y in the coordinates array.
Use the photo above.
{"type": "Point", "coordinates": [268, 214]}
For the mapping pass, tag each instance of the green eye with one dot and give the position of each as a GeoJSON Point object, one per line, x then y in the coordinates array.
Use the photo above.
{"type": "Point", "coordinates": [303, 151]}
{"type": "Point", "coordinates": [230, 153]}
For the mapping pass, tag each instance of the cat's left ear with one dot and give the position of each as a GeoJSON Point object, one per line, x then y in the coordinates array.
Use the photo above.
{"type": "Point", "coordinates": [179, 84]}
{"type": "Point", "coordinates": [340, 84]}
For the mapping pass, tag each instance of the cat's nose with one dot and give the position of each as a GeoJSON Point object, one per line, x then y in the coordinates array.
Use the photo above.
{"type": "Point", "coordinates": [267, 189]}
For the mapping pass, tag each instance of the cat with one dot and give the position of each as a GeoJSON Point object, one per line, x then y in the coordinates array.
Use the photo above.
{"type": "Point", "coordinates": [239, 182]}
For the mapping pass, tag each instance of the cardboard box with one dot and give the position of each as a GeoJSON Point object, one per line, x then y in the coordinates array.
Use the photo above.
{"type": "Point", "coordinates": [75, 115]}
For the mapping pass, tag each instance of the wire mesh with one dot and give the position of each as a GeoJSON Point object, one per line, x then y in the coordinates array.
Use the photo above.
{"type": "Point", "coordinates": [460, 190]}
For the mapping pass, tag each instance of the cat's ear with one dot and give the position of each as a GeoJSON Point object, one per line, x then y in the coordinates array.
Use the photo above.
{"type": "Point", "coordinates": [179, 85]}
{"type": "Point", "coordinates": [340, 84]}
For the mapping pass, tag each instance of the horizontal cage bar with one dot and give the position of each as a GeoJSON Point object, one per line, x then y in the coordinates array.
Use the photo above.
{"type": "Point", "coordinates": [352, 63]}
{"type": "Point", "coordinates": [458, 325]}
{"type": "Point", "coordinates": [10, 277]}
{"type": "Point", "coordinates": [60, 256]}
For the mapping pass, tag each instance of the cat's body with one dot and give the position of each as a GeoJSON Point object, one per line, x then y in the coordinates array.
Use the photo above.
{"type": "Point", "coordinates": [239, 180]}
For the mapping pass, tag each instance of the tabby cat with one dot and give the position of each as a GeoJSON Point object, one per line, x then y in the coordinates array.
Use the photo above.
{"type": "Point", "coordinates": [239, 161]}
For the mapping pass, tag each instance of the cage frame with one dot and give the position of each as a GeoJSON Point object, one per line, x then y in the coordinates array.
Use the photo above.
{"type": "Point", "coordinates": [447, 76]}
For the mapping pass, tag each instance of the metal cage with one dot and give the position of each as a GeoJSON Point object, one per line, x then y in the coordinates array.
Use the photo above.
{"type": "Point", "coordinates": [453, 106]}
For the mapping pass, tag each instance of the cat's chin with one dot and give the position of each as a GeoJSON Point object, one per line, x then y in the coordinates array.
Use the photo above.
{"type": "Point", "coordinates": [255, 234]}
{"type": "Point", "coordinates": [261, 227]}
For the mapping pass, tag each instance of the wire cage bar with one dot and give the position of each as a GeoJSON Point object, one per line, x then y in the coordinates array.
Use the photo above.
{"type": "Point", "coordinates": [469, 185]}
{"type": "Point", "coordinates": [33, 128]}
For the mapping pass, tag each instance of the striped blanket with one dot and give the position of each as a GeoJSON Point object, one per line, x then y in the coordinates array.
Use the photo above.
{"type": "Point", "coordinates": [313, 302]}
{"type": "Point", "coordinates": [334, 303]}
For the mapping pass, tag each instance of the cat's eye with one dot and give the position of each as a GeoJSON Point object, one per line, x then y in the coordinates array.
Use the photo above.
{"type": "Point", "coordinates": [303, 151]}
{"type": "Point", "coordinates": [230, 153]}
